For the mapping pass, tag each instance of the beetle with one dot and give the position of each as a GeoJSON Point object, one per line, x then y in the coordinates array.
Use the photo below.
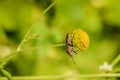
{"type": "Point", "coordinates": [69, 46]}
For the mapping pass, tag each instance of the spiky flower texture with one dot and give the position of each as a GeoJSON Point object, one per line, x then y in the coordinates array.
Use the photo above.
{"type": "Point", "coordinates": [80, 39]}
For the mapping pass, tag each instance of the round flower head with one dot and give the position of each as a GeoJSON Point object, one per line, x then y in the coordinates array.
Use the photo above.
{"type": "Point", "coordinates": [80, 39]}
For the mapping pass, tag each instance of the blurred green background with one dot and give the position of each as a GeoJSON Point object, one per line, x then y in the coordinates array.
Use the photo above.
{"type": "Point", "coordinates": [99, 18]}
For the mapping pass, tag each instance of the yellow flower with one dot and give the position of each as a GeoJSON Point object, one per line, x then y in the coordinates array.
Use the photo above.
{"type": "Point", "coordinates": [80, 39]}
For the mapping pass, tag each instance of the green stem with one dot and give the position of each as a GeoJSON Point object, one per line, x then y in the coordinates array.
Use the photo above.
{"type": "Point", "coordinates": [32, 48]}
{"type": "Point", "coordinates": [33, 25]}
{"type": "Point", "coordinates": [57, 45]}
{"type": "Point", "coordinates": [116, 60]}
{"type": "Point", "coordinates": [65, 76]}
{"type": "Point", "coordinates": [8, 56]}
{"type": "Point", "coordinates": [23, 40]}
{"type": "Point", "coordinates": [48, 8]}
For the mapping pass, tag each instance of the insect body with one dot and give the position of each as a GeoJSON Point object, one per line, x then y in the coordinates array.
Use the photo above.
{"type": "Point", "coordinates": [69, 46]}
{"type": "Point", "coordinates": [78, 41]}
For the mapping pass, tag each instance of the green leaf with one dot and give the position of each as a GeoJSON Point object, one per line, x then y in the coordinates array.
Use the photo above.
{"type": "Point", "coordinates": [6, 73]}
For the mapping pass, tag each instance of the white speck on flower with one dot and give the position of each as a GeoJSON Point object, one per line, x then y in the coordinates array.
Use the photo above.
{"type": "Point", "coordinates": [106, 67]}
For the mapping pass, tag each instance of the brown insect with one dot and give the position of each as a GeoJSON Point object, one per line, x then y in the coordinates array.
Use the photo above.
{"type": "Point", "coordinates": [69, 46]}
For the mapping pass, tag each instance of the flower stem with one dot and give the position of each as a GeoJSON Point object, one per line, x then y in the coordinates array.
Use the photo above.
{"type": "Point", "coordinates": [57, 45]}
{"type": "Point", "coordinates": [65, 76]}
{"type": "Point", "coordinates": [33, 25]}
{"type": "Point", "coordinates": [31, 48]}
{"type": "Point", "coordinates": [27, 34]}
{"type": "Point", "coordinates": [116, 60]}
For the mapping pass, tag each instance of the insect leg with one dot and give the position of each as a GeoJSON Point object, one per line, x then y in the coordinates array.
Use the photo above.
{"type": "Point", "coordinates": [75, 51]}
{"type": "Point", "coordinates": [73, 60]}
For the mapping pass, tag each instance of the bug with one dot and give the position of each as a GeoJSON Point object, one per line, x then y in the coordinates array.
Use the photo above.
{"type": "Point", "coordinates": [79, 41]}
{"type": "Point", "coordinates": [69, 46]}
